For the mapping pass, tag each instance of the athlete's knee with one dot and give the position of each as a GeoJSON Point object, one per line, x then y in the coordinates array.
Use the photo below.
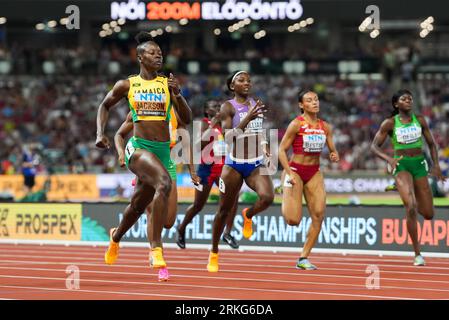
{"type": "Point", "coordinates": [164, 185]}
{"type": "Point", "coordinates": [138, 206]}
{"type": "Point", "coordinates": [266, 199]}
{"type": "Point", "coordinates": [411, 209]}
{"type": "Point", "coordinates": [197, 207]}
{"type": "Point", "coordinates": [317, 218]}
{"type": "Point", "coordinates": [222, 212]}
{"type": "Point", "coordinates": [169, 224]}
{"type": "Point", "coordinates": [293, 221]}
{"type": "Point", "coordinates": [428, 215]}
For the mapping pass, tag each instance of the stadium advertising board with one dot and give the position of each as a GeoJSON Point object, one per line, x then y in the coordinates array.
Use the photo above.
{"type": "Point", "coordinates": [344, 227]}
{"type": "Point", "coordinates": [62, 187]}
{"type": "Point", "coordinates": [207, 10]}
{"type": "Point", "coordinates": [40, 221]}
{"type": "Point", "coordinates": [334, 184]}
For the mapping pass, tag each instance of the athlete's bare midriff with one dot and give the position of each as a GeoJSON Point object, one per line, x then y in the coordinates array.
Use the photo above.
{"type": "Point", "coordinates": [304, 159]}
{"type": "Point", "coordinates": [408, 152]}
{"type": "Point", "coordinates": [152, 130]}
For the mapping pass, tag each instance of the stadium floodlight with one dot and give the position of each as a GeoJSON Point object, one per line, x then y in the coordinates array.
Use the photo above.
{"type": "Point", "coordinates": [63, 21]}
{"type": "Point", "coordinates": [106, 26]}
{"type": "Point", "coordinates": [168, 29]}
{"type": "Point", "coordinates": [310, 20]}
{"type": "Point", "coordinates": [423, 33]}
{"type": "Point", "coordinates": [160, 32]}
{"type": "Point", "coordinates": [217, 31]}
{"type": "Point", "coordinates": [297, 26]}
{"type": "Point", "coordinates": [231, 29]}
{"type": "Point", "coordinates": [247, 21]}
{"type": "Point", "coordinates": [117, 29]}
{"type": "Point", "coordinates": [183, 21]}
{"type": "Point", "coordinates": [103, 33]}
{"type": "Point", "coordinates": [3, 20]}
{"type": "Point", "coordinates": [260, 34]}
{"type": "Point", "coordinates": [366, 22]}
{"type": "Point", "coordinates": [291, 29]}
{"type": "Point", "coordinates": [52, 24]}
{"type": "Point", "coordinates": [108, 32]}
{"type": "Point", "coordinates": [426, 27]}
{"type": "Point", "coordinates": [373, 34]}
{"type": "Point", "coordinates": [113, 23]}
{"type": "Point", "coordinates": [40, 26]}
{"type": "Point", "coordinates": [121, 21]}
{"type": "Point", "coordinates": [241, 24]}
{"type": "Point", "coordinates": [153, 33]}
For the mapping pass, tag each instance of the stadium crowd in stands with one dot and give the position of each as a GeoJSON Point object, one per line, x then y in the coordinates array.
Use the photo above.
{"type": "Point", "coordinates": [58, 112]}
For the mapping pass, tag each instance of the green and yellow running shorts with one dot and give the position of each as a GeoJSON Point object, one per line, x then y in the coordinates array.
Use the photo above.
{"type": "Point", "coordinates": [416, 166]}
{"type": "Point", "coordinates": [159, 149]}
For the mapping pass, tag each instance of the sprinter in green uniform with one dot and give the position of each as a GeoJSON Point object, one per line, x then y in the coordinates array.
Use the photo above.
{"type": "Point", "coordinates": [408, 165]}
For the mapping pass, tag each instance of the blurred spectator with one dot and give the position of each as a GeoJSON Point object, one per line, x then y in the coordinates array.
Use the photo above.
{"type": "Point", "coordinates": [59, 112]}
{"type": "Point", "coordinates": [30, 161]}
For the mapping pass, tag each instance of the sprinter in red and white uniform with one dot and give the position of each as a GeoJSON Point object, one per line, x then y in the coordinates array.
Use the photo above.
{"type": "Point", "coordinates": [308, 135]}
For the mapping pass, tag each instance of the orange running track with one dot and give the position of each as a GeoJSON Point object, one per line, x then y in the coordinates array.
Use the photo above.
{"type": "Point", "coordinates": [38, 272]}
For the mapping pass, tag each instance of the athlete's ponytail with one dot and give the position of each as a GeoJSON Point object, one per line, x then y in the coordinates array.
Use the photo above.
{"type": "Point", "coordinates": [395, 100]}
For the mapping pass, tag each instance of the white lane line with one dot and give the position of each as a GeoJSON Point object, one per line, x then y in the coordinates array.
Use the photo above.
{"type": "Point", "coordinates": [109, 292]}
{"type": "Point", "coordinates": [417, 270]}
{"type": "Point", "coordinates": [279, 257]}
{"type": "Point", "coordinates": [246, 249]}
{"type": "Point", "coordinates": [141, 274]}
{"type": "Point", "coordinates": [292, 272]}
{"type": "Point", "coordinates": [240, 289]}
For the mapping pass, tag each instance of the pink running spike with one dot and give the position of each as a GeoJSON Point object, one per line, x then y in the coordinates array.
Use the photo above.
{"type": "Point", "coordinates": [163, 274]}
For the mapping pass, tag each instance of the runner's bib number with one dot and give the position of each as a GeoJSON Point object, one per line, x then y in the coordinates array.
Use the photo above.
{"type": "Point", "coordinates": [314, 142]}
{"type": "Point", "coordinates": [408, 135]}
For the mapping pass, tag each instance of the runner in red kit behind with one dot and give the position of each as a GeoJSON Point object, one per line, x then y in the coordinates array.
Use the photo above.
{"type": "Point", "coordinates": [213, 151]}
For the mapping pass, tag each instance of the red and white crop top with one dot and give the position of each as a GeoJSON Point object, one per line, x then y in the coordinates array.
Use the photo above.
{"type": "Point", "coordinates": [310, 140]}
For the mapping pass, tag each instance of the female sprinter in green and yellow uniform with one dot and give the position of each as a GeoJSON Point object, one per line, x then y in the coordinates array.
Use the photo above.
{"type": "Point", "coordinates": [147, 153]}
{"type": "Point", "coordinates": [119, 140]}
